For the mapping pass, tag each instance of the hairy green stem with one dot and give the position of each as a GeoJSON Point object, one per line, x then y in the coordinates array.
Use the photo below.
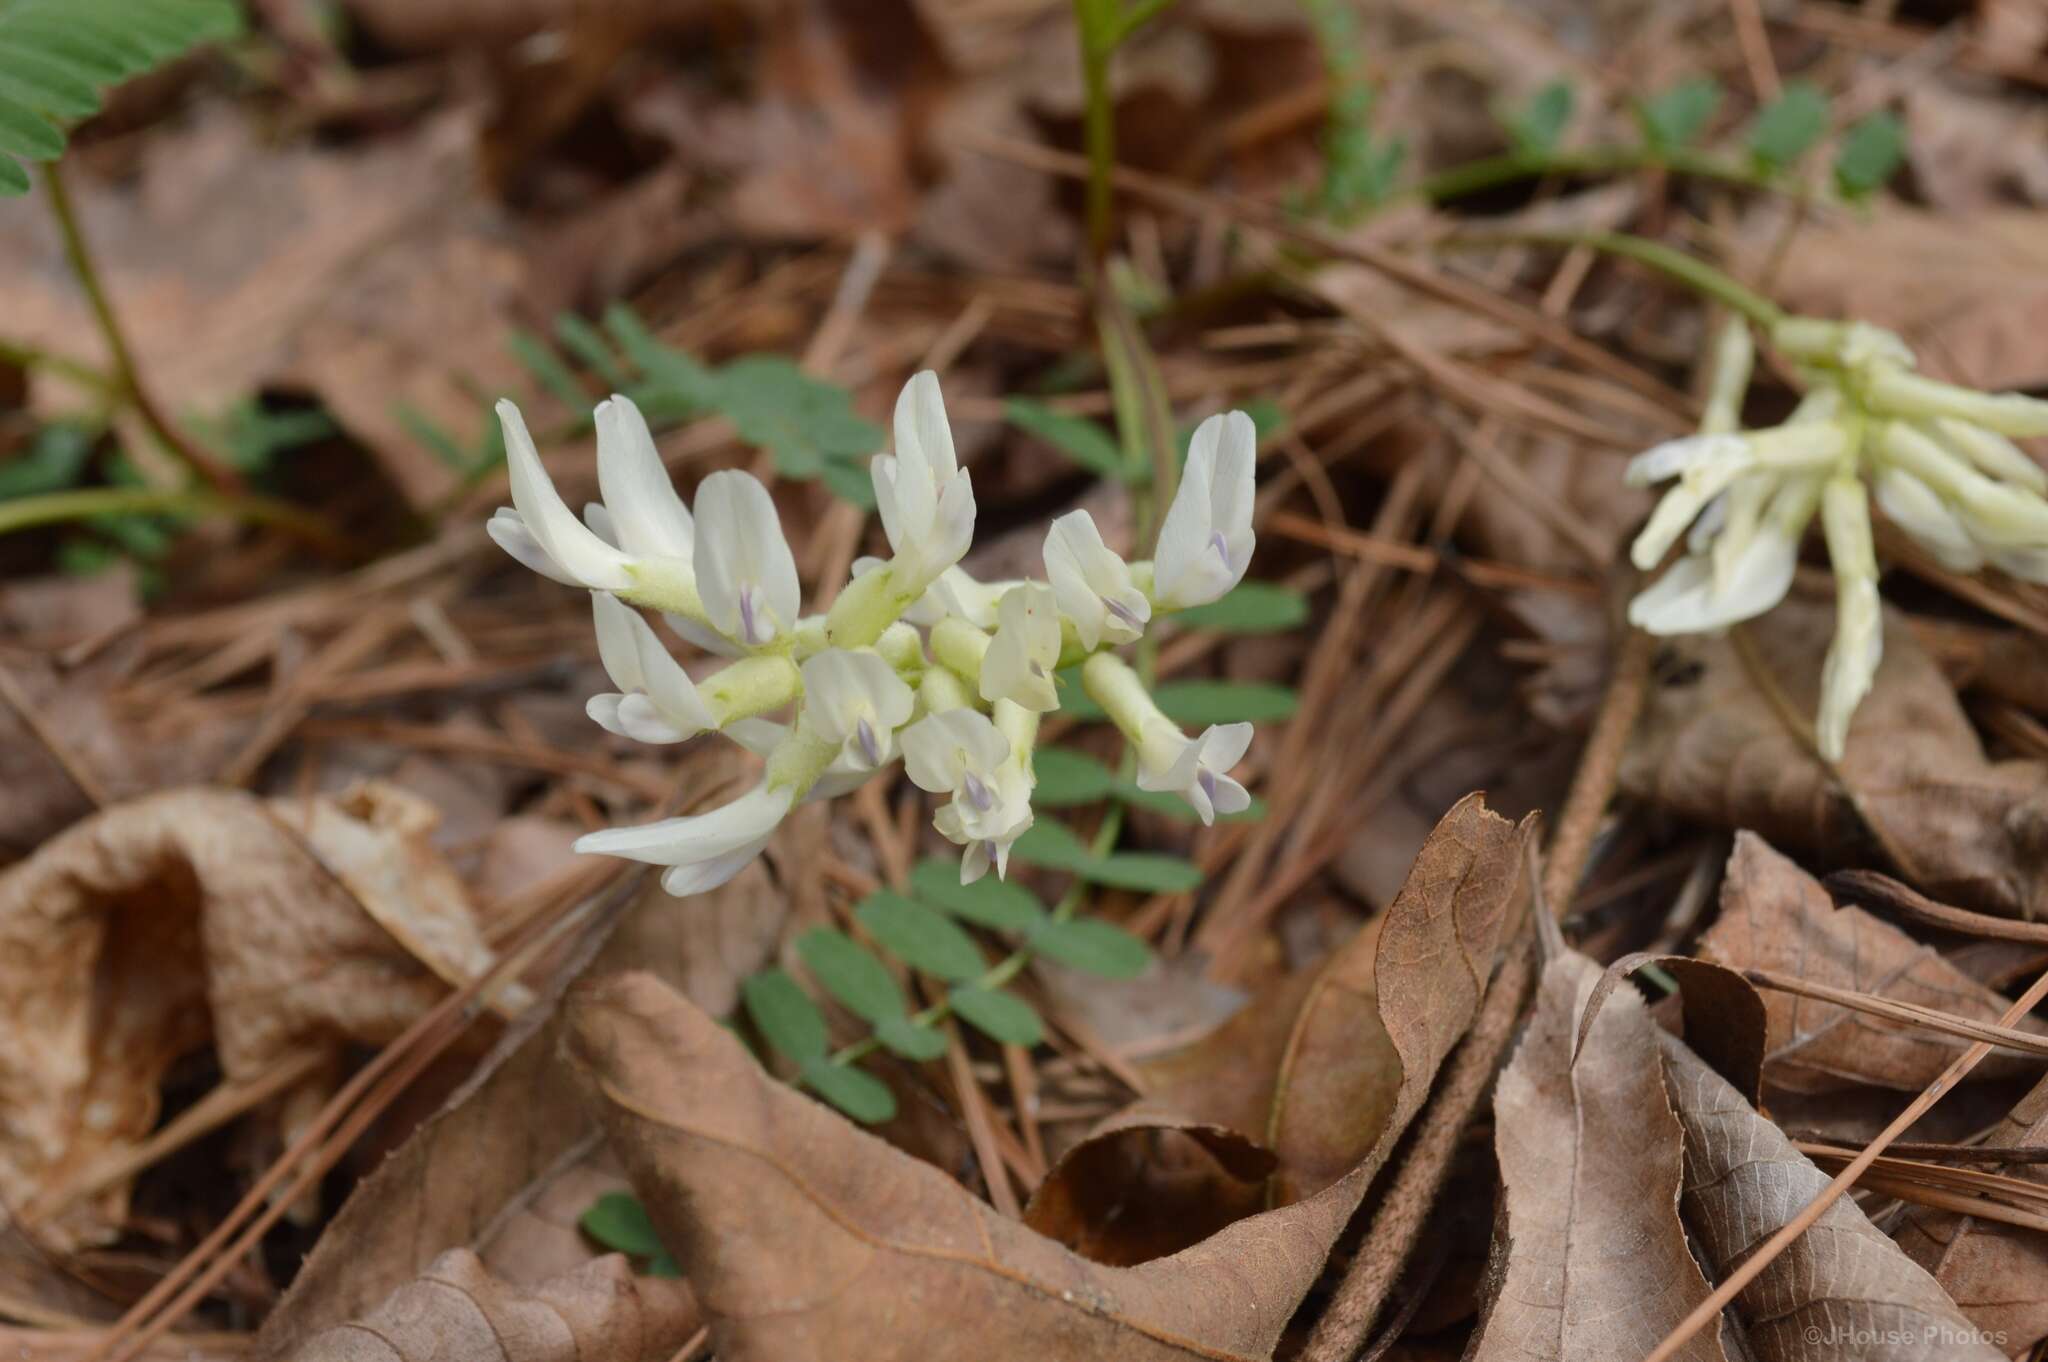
{"type": "Point", "coordinates": [196, 460]}
{"type": "Point", "coordinates": [1695, 274]}
{"type": "Point", "coordinates": [1491, 172]}
{"type": "Point", "coordinates": [23, 513]}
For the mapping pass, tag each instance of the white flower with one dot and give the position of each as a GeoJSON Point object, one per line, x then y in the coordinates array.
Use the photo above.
{"type": "Point", "coordinates": [856, 702]}
{"type": "Point", "coordinates": [1919, 510]}
{"type": "Point", "coordinates": [960, 752]}
{"type": "Point", "coordinates": [702, 850]}
{"type": "Point", "coordinates": [657, 702]}
{"type": "Point", "coordinates": [1019, 663]}
{"type": "Point", "coordinates": [1742, 569]}
{"type": "Point", "coordinates": [745, 571]}
{"type": "Point", "coordinates": [545, 522]}
{"type": "Point", "coordinates": [1091, 584]}
{"type": "Point", "coordinates": [1205, 543]}
{"type": "Point", "coordinates": [763, 736]}
{"type": "Point", "coordinates": [926, 499]}
{"type": "Point", "coordinates": [1858, 645]}
{"type": "Point", "coordinates": [1196, 769]}
{"type": "Point", "coordinates": [648, 519]}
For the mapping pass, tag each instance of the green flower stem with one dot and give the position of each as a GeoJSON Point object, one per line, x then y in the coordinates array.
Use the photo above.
{"type": "Point", "coordinates": [959, 648]}
{"type": "Point", "coordinates": [750, 686]}
{"type": "Point", "coordinates": [129, 381]}
{"type": "Point", "coordinates": [1493, 171]}
{"type": "Point", "coordinates": [871, 602]}
{"type": "Point", "coordinates": [1695, 274]}
{"type": "Point", "coordinates": [96, 381]}
{"type": "Point", "coordinates": [53, 508]}
{"type": "Point", "coordinates": [798, 760]}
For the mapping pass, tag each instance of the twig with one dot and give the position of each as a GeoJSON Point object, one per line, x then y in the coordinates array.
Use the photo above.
{"type": "Point", "coordinates": [1708, 1310]}
{"type": "Point", "coordinates": [84, 503]}
{"type": "Point", "coordinates": [1469, 1075]}
{"type": "Point", "coordinates": [74, 765]}
{"type": "Point", "coordinates": [196, 460]}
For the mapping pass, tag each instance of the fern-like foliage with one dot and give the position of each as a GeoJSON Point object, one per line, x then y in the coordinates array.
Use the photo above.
{"type": "Point", "coordinates": [58, 56]}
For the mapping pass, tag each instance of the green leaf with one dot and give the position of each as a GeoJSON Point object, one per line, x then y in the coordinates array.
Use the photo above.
{"type": "Point", "coordinates": [55, 56]}
{"type": "Point", "coordinates": [663, 1264]}
{"type": "Point", "coordinates": [856, 1092]}
{"type": "Point", "coordinates": [1053, 845]}
{"type": "Point", "coordinates": [1093, 945]}
{"type": "Point", "coordinates": [785, 1015]}
{"type": "Point", "coordinates": [999, 1016]}
{"type": "Point", "coordinates": [849, 482]}
{"type": "Point", "coordinates": [1871, 151]}
{"type": "Point", "coordinates": [25, 134]}
{"type": "Point", "coordinates": [54, 461]}
{"type": "Point", "coordinates": [681, 383]}
{"type": "Point", "coordinates": [922, 937]}
{"type": "Point", "coordinates": [1066, 777]}
{"type": "Point", "coordinates": [1077, 437]}
{"type": "Point", "coordinates": [618, 1221]}
{"type": "Point", "coordinates": [438, 439]}
{"type": "Point", "coordinates": [850, 972]}
{"type": "Point", "coordinates": [583, 340]}
{"type": "Point", "coordinates": [910, 1040]}
{"type": "Point", "coordinates": [1249, 608]}
{"type": "Point", "coordinates": [45, 86]}
{"type": "Point", "coordinates": [1680, 114]}
{"type": "Point", "coordinates": [548, 370]}
{"type": "Point", "coordinates": [802, 421]}
{"type": "Point", "coordinates": [1537, 126]}
{"type": "Point", "coordinates": [1787, 127]}
{"type": "Point", "coordinates": [1197, 704]}
{"type": "Point", "coordinates": [988, 902]}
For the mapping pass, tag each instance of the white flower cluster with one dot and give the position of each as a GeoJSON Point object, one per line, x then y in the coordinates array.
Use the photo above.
{"type": "Point", "coordinates": [1940, 459]}
{"type": "Point", "coordinates": [960, 702]}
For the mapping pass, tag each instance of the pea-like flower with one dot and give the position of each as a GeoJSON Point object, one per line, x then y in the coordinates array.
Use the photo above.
{"type": "Point", "coordinates": [1019, 663]}
{"type": "Point", "coordinates": [1937, 457]}
{"type": "Point", "coordinates": [1093, 586]}
{"type": "Point", "coordinates": [1196, 769]}
{"type": "Point", "coordinates": [656, 701]}
{"type": "Point", "coordinates": [856, 702]}
{"type": "Point", "coordinates": [701, 851]}
{"type": "Point", "coordinates": [960, 752]}
{"type": "Point", "coordinates": [746, 574]}
{"type": "Point", "coordinates": [1205, 543]}
{"type": "Point", "coordinates": [925, 498]}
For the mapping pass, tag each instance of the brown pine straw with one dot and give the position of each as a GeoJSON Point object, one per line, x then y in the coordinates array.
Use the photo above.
{"type": "Point", "coordinates": [1466, 1080]}
{"type": "Point", "coordinates": [1708, 1310]}
{"type": "Point", "coordinates": [337, 1127]}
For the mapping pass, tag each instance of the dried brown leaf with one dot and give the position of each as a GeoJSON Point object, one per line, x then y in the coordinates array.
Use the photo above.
{"type": "Point", "coordinates": [144, 931]}
{"type": "Point", "coordinates": [1716, 746]}
{"type": "Point", "coordinates": [1842, 1289]}
{"type": "Point", "coordinates": [1591, 1260]}
{"type": "Point", "coordinates": [512, 1160]}
{"type": "Point", "coordinates": [456, 1311]}
{"type": "Point", "coordinates": [1777, 917]}
{"type": "Point", "coordinates": [1997, 1273]}
{"type": "Point", "coordinates": [809, 1239]}
{"type": "Point", "coordinates": [1968, 291]}
{"type": "Point", "coordinates": [1299, 1085]}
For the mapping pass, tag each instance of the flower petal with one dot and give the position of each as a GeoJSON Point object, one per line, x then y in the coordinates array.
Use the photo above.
{"type": "Point", "coordinates": [508, 531]}
{"type": "Point", "coordinates": [940, 749]}
{"type": "Point", "coordinates": [563, 537]}
{"type": "Point", "coordinates": [695, 838]}
{"type": "Point", "coordinates": [746, 574]}
{"type": "Point", "coordinates": [648, 516]}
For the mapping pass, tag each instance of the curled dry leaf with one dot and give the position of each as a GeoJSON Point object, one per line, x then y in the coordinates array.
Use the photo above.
{"type": "Point", "coordinates": [1717, 744]}
{"type": "Point", "coordinates": [1301, 1083]}
{"type": "Point", "coordinates": [1997, 1273]}
{"type": "Point", "coordinates": [513, 1159]}
{"type": "Point", "coordinates": [131, 939]}
{"type": "Point", "coordinates": [1591, 1260]}
{"type": "Point", "coordinates": [456, 1311]}
{"type": "Point", "coordinates": [806, 1238]}
{"type": "Point", "coordinates": [1777, 917]}
{"type": "Point", "coordinates": [1842, 1289]}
